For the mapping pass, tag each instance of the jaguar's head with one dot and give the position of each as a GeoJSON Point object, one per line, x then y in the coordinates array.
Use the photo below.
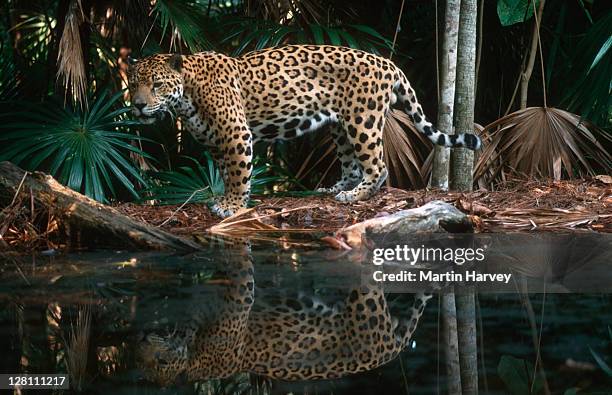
{"type": "Point", "coordinates": [163, 360]}
{"type": "Point", "coordinates": [156, 86]}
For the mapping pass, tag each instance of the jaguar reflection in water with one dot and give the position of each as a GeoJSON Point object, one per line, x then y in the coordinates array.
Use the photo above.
{"type": "Point", "coordinates": [289, 338]}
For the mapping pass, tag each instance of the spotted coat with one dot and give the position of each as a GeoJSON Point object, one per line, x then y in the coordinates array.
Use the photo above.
{"type": "Point", "coordinates": [282, 93]}
{"type": "Point", "coordinates": [286, 337]}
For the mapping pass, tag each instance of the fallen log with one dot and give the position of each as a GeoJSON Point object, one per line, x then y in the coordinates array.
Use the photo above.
{"type": "Point", "coordinates": [97, 224]}
{"type": "Point", "coordinates": [435, 216]}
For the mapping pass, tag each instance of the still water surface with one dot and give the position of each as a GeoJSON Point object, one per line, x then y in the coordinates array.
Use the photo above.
{"type": "Point", "coordinates": [234, 320]}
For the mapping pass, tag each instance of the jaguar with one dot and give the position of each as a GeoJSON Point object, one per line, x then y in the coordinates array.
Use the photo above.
{"type": "Point", "coordinates": [295, 336]}
{"type": "Point", "coordinates": [229, 103]}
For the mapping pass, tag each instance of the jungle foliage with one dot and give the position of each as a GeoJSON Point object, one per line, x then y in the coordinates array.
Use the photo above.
{"type": "Point", "coordinates": [60, 58]}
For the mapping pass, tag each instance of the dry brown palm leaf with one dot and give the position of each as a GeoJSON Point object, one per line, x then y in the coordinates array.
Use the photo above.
{"type": "Point", "coordinates": [541, 142]}
{"type": "Point", "coordinates": [77, 347]}
{"type": "Point", "coordinates": [543, 219]}
{"type": "Point", "coordinates": [71, 68]}
{"type": "Point", "coordinates": [406, 152]}
{"type": "Point", "coordinates": [324, 152]}
{"type": "Point", "coordinates": [248, 221]}
{"type": "Point", "coordinates": [486, 181]}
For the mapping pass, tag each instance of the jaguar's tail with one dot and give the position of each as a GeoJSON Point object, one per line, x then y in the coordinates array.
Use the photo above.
{"type": "Point", "coordinates": [406, 328]}
{"type": "Point", "coordinates": [405, 98]}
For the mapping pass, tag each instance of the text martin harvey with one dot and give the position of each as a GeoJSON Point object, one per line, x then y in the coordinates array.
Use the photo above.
{"type": "Point", "coordinates": [451, 276]}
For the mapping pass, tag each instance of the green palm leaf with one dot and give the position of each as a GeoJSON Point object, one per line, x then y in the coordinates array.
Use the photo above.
{"type": "Point", "coordinates": [196, 183]}
{"type": "Point", "coordinates": [182, 18]}
{"type": "Point", "coordinates": [87, 150]}
{"type": "Point", "coordinates": [201, 180]}
{"type": "Point", "coordinates": [589, 74]}
{"type": "Point", "coordinates": [246, 34]}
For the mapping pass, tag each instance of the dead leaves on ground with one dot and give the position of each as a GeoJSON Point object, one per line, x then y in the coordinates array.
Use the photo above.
{"type": "Point", "coordinates": [522, 205]}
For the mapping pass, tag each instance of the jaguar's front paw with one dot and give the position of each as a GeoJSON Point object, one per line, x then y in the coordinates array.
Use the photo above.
{"type": "Point", "coordinates": [330, 190]}
{"type": "Point", "coordinates": [346, 197]}
{"type": "Point", "coordinates": [222, 209]}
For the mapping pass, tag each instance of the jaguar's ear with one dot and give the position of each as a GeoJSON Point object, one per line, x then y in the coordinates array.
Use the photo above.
{"type": "Point", "coordinates": [176, 62]}
{"type": "Point", "coordinates": [131, 61]}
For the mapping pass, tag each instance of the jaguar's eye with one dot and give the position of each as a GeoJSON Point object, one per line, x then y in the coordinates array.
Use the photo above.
{"type": "Point", "coordinates": [157, 85]}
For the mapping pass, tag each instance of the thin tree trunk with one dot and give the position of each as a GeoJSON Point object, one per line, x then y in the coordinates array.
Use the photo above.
{"type": "Point", "coordinates": [448, 68]}
{"type": "Point", "coordinates": [462, 163]}
{"type": "Point", "coordinates": [526, 75]}
{"type": "Point", "coordinates": [468, 349]}
{"type": "Point", "coordinates": [451, 345]}
{"type": "Point", "coordinates": [479, 48]}
{"type": "Point", "coordinates": [448, 73]}
{"type": "Point", "coordinates": [462, 160]}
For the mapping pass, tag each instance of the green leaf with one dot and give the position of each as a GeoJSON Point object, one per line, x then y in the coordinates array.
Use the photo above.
{"type": "Point", "coordinates": [317, 34]}
{"type": "Point", "coordinates": [602, 52]}
{"type": "Point", "coordinates": [371, 32]}
{"type": "Point", "coordinates": [245, 43]}
{"type": "Point", "coordinates": [183, 17]}
{"type": "Point", "coordinates": [264, 39]}
{"type": "Point", "coordinates": [350, 40]}
{"type": "Point", "coordinates": [586, 11]}
{"type": "Point", "coordinates": [334, 36]}
{"type": "Point", "coordinates": [88, 150]}
{"type": "Point", "coordinates": [517, 374]}
{"type": "Point", "coordinates": [602, 364]}
{"type": "Point", "coordinates": [587, 76]}
{"type": "Point", "coordinates": [281, 34]}
{"type": "Point", "coordinates": [511, 12]}
{"type": "Point", "coordinates": [196, 183]}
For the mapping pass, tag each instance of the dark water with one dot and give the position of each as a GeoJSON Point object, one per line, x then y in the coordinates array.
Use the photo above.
{"type": "Point", "coordinates": [257, 309]}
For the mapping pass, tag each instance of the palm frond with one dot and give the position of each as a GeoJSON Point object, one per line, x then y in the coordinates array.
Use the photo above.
{"type": "Point", "coordinates": [247, 34]}
{"type": "Point", "coordinates": [9, 76]}
{"type": "Point", "coordinates": [183, 19]}
{"type": "Point", "coordinates": [589, 74]}
{"type": "Point", "coordinates": [406, 152]}
{"type": "Point", "coordinates": [542, 142]}
{"type": "Point", "coordinates": [201, 180]}
{"type": "Point", "coordinates": [71, 66]}
{"type": "Point", "coordinates": [35, 34]}
{"type": "Point", "coordinates": [87, 150]}
{"type": "Point", "coordinates": [196, 183]}
{"type": "Point", "coordinates": [77, 348]}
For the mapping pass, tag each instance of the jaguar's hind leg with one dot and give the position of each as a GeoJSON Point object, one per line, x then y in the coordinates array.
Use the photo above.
{"type": "Point", "coordinates": [365, 135]}
{"type": "Point", "coordinates": [351, 172]}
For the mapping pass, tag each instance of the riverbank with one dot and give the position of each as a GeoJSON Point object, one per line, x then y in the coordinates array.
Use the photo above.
{"type": "Point", "coordinates": [520, 206]}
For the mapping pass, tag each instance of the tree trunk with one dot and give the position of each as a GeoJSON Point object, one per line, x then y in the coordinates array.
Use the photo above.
{"type": "Point", "coordinates": [450, 343]}
{"type": "Point", "coordinates": [96, 223]}
{"type": "Point", "coordinates": [468, 349]}
{"type": "Point", "coordinates": [526, 75]}
{"type": "Point", "coordinates": [462, 163]}
{"type": "Point", "coordinates": [462, 160]}
{"type": "Point", "coordinates": [439, 179]}
{"type": "Point", "coordinates": [448, 64]}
